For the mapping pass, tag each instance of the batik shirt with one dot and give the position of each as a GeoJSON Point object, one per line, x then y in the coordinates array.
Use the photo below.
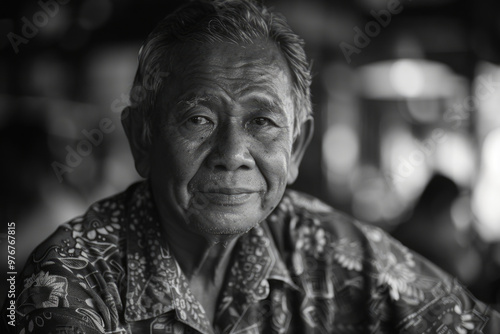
{"type": "Point", "coordinates": [306, 269]}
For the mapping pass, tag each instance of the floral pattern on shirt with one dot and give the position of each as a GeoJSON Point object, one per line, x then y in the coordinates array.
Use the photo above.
{"type": "Point", "coordinates": [306, 269]}
{"type": "Point", "coordinates": [41, 291]}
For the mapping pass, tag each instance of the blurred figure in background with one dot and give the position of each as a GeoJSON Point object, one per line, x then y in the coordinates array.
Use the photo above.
{"type": "Point", "coordinates": [430, 231]}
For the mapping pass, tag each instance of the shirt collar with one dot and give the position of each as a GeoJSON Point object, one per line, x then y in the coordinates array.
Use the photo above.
{"type": "Point", "coordinates": [257, 261]}
{"type": "Point", "coordinates": [157, 285]}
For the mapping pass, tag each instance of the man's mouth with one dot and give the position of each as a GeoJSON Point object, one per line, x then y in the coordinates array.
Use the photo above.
{"type": "Point", "coordinates": [227, 196]}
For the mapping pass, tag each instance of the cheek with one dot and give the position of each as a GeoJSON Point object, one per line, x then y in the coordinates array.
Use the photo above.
{"type": "Point", "coordinates": [175, 161]}
{"type": "Point", "coordinates": [273, 161]}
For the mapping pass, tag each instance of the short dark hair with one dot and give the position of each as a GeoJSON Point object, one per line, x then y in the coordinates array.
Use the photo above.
{"type": "Point", "coordinates": [204, 21]}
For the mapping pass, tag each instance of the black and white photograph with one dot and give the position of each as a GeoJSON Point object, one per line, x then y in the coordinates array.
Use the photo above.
{"type": "Point", "coordinates": [250, 166]}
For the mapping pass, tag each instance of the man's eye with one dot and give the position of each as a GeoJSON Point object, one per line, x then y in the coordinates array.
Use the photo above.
{"type": "Point", "coordinates": [199, 120]}
{"type": "Point", "coordinates": [262, 121]}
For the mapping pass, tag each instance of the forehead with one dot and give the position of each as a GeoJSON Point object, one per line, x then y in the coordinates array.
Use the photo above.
{"type": "Point", "coordinates": [232, 71]}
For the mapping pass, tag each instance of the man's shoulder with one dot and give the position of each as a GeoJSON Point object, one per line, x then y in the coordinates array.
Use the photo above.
{"type": "Point", "coordinates": [105, 215]}
{"type": "Point", "coordinates": [101, 225]}
{"type": "Point", "coordinates": [81, 265]}
{"type": "Point", "coordinates": [317, 230]}
{"type": "Point", "coordinates": [308, 212]}
{"type": "Point", "coordinates": [356, 266]}
{"type": "Point", "coordinates": [336, 240]}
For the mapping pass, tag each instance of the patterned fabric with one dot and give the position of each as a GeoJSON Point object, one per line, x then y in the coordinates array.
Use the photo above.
{"type": "Point", "coordinates": [306, 269]}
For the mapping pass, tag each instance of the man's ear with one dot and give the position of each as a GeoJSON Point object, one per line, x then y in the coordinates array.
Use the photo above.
{"type": "Point", "coordinates": [299, 148]}
{"type": "Point", "coordinates": [133, 124]}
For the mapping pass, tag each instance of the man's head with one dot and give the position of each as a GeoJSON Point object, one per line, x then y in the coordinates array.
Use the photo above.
{"type": "Point", "coordinates": [226, 116]}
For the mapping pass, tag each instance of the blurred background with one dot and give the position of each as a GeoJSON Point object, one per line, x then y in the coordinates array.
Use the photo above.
{"type": "Point", "coordinates": [406, 98]}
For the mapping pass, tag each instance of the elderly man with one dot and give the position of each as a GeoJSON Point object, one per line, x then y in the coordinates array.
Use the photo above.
{"type": "Point", "coordinates": [212, 242]}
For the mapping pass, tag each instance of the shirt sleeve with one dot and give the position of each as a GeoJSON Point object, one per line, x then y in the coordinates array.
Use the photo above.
{"type": "Point", "coordinates": [420, 296]}
{"type": "Point", "coordinates": [61, 293]}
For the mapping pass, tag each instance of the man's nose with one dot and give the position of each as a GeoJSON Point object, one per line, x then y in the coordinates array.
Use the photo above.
{"type": "Point", "coordinates": [230, 149]}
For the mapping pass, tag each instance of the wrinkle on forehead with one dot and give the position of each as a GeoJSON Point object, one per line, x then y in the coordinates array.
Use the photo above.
{"type": "Point", "coordinates": [256, 56]}
{"type": "Point", "coordinates": [208, 70]}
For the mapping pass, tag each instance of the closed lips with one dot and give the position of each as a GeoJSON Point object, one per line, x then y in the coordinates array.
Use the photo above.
{"type": "Point", "coordinates": [230, 191]}
{"type": "Point", "coordinates": [229, 197]}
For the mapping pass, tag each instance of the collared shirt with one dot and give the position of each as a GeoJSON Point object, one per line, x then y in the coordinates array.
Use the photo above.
{"type": "Point", "coordinates": [306, 269]}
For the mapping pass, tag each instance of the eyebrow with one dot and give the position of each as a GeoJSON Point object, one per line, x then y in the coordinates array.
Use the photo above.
{"type": "Point", "coordinates": [266, 102]}
{"type": "Point", "coordinates": [194, 100]}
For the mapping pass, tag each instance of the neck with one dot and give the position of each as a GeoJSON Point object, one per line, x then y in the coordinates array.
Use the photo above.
{"type": "Point", "coordinates": [197, 255]}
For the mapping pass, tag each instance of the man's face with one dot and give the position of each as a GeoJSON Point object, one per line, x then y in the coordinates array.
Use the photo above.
{"type": "Point", "coordinates": [223, 134]}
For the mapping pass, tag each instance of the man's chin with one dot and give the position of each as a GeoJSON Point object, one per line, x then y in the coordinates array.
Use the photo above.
{"type": "Point", "coordinates": [220, 232]}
